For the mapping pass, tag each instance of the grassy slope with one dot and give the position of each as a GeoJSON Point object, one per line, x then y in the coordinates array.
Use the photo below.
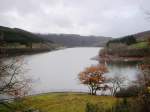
{"type": "Point", "coordinates": [66, 102]}
{"type": "Point", "coordinates": [140, 45]}
{"type": "Point", "coordinates": [62, 102]}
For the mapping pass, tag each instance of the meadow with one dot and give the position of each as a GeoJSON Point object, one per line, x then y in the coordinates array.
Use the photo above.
{"type": "Point", "coordinates": [62, 102]}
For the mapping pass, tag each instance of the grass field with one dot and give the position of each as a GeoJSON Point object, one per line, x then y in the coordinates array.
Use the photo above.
{"type": "Point", "coordinates": [67, 102]}
{"type": "Point", "coordinates": [140, 45]}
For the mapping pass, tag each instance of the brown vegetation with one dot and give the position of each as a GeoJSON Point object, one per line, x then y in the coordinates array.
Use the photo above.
{"type": "Point", "coordinates": [94, 78]}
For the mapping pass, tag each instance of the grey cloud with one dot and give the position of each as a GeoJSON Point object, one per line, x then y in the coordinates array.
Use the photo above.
{"type": "Point", "coordinates": [86, 17]}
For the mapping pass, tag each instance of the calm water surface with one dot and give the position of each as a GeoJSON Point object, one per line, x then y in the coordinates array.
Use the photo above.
{"type": "Point", "coordinates": [58, 70]}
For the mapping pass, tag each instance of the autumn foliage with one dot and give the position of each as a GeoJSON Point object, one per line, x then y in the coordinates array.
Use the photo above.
{"type": "Point", "coordinates": [93, 77]}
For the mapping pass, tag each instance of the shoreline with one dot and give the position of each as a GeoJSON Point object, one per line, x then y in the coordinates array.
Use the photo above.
{"type": "Point", "coordinates": [120, 59]}
{"type": "Point", "coordinates": [127, 56]}
{"type": "Point", "coordinates": [45, 93]}
{"type": "Point", "coordinates": [8, 52]}
{"type": "Point", "coordinates": [117, 59]}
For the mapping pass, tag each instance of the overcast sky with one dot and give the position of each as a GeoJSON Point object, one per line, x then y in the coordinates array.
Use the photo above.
{"type": "Point", "coordinates": [86, 17]}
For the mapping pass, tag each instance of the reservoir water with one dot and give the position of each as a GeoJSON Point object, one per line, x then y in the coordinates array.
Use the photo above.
{"type": "Point", "coordinates": [58, 70]}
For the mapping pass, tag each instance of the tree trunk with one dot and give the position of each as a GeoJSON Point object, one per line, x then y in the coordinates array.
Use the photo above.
{"type": "Point", "coordinates": [92, 90]}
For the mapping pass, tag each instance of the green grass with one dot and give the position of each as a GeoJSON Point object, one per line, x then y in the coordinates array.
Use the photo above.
{"type": "Point", "coordinates": [67, 102]}
{"type": "Point", "coordinates": [140, 45]}
{"type": "Point", "coordinates": [64, 102]}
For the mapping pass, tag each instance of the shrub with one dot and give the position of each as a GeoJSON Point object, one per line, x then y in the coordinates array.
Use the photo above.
{"type": "Point", "coordinates": [128, 92]}
{"type": "Point", "coordinates": [94, 107]}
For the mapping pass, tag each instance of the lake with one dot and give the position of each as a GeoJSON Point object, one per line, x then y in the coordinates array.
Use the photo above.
{"type": "Point", "coordinates": [58, 70]}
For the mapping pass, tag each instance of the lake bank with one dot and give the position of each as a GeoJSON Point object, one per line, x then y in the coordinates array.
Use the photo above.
{"type": "Point", "coordinates": [124, 55]}
{"type": "Point", "coordinates": [117, 59]}
{"type": "Point", "coordinates": [9, 52]}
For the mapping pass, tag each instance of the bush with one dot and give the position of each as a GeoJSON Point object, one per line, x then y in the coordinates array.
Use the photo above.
{"type": "Point", "coordinates": [128, 40]}
{"type": "Point", "coordinates": [120, 106]}
{"type": "Point", "coordinates": [94, 108]}
{"type": "Point", "coordinates": [128, 92]}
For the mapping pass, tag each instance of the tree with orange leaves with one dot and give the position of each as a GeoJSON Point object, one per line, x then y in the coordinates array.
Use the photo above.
{"type": "Point", "coordinates": [93, 77]}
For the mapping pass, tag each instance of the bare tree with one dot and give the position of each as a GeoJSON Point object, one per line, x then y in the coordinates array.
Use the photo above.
{"type": "Point", "coordinates": [116, 83]}
{"type": "Point", "coordinates": [12, 81]}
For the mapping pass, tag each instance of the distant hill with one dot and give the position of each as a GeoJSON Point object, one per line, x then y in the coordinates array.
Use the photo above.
{"type": "Point", "coordinates": [73, 40]}
{"type": "Point", "coordinates": [14, 41]}
{"type": "Point", "coordinates": [131, 39]}
{"type": "Point", "coordinates": [142, 35]}
{"type": "Point", "coordinates": [12, 35]}
{"type": "Point", "coordinates": [15, 35]}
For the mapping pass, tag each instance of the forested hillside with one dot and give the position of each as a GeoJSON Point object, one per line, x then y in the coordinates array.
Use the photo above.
{"type": "Point", "coordinates": [18, 41]}
{"type": "Point", "coordinates": [128, 48]}
{"type": "Point", "coordinates": [73, 40]}
{"type": "Point", "coordinates": [18, 35]}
